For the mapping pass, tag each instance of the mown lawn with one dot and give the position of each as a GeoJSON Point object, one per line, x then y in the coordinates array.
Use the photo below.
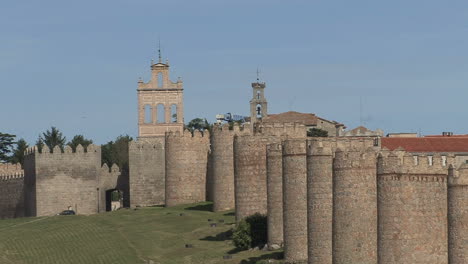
{"type": "Point", "coordinates": [154, 235]}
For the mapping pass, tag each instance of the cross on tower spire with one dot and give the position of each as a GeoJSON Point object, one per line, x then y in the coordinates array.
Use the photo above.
{"type": "Point", "coordinates": [159, 51]}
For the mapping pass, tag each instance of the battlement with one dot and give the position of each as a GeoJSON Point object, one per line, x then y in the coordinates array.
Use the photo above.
{"type": "Point", "coordinates": [10, 168]}
{"type": "Point", "coordinates": [316, 148]}
{"type": "Point", "coordinates": [226, 129]}
{"type": "Point", "coordinates": [274, 149]}
{"type": "Point", "coordinates": [281, 129]}
{"type": "Point", "coordinates": [400, 162]}
{"type": "Point", "coordinates": [90, 149]}
{"type": "Point", "coordinates": [187, 134]}
{"type": "Point", "coordinates": [113, 169]}
{"type": "Point", "coordinates": [345, 143]}
{"type": "Point", "coordinates": [355, 158]}
{"type": "Point", "coordinates": [458, 177]}
{"type": "Point", "coordinates": [294, 147]}
{"type": "Point", "coordinates": [12, 176]}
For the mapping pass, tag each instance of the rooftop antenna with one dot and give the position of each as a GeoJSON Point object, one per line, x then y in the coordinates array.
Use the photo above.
{"type": "Point", "coordinates": [159, 50]}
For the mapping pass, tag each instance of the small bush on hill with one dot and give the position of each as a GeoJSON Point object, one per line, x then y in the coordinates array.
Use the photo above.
{"type": "Point", "coordinates": [251, 232]}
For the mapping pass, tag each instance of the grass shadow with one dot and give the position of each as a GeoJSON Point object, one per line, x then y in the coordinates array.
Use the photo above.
{"type": "Point", "coordinates": [223, 236]}
{"type": "Point", "coordinates": [230, 214]}
{"type": "Point", "coordinates": [201, 207]}
{"type": "Point", "coordinates": [273, 255]}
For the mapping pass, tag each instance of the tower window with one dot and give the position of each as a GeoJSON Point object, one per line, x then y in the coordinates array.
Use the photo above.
{"type": "Point", "coordinates": [258, 94]}
{"type": "Point", "coordinates": [174, 113]}
{"type": "Point", "coordinates": [161, 114]}
{"type": "Point", "coordinates": [259, 111]}
{"type": "Point", "coordinates": [148, 117]}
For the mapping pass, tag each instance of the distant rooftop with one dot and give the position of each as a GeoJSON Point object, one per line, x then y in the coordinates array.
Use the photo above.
{"type": "Point", "coordinates": [428, 143]}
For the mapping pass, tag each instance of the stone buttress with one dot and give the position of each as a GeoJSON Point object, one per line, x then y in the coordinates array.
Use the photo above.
{"type": "Point", "coordinates": [275, 195]}
{"type": "Point", "coordinates": [458, 215]}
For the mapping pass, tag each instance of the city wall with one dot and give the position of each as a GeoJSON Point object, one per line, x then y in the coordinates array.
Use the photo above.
{"type": "Point", "coordinates": [147, 171]}
{"type": "Point", "coordinates": [11, 195]}
{"type": "Point", "coordinates": [186, 167]}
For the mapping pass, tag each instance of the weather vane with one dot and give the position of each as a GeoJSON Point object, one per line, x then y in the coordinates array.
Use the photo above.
{"type": "Point", "coordinates": [159, 50]}
{"type": "Point", "coordinates": [258, 75]}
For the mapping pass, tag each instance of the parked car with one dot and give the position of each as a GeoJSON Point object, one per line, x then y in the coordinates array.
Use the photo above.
{"type": "Point", "coordinates": [67, 212]}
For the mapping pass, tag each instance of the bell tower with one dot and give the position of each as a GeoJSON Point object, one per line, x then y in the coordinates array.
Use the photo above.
{"type": "Point", "coordinates": [160, 103]}
{"type": "Point", "coordinates": [258, 104]}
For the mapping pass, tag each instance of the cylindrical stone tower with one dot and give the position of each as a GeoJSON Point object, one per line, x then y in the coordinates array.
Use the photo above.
{"type": "Point", "coordinates": [458, 215]}
{"type": "Point", "coordinates": [186, 167]}
{"type": "Point", "coordinates": [320, 203]}
{"type": "Point", "coordinates": [222, 153]}
{"type": "Point", "coordinates": [412, 201]}
{"type": "Point", "coordinates": [295, 200]}
{"type": "Point", "coordinates": [250, 177]}
{"type": "Point", "coordinates": [354, 207]}
{"type": "Point", "coordinates": [275, 195]}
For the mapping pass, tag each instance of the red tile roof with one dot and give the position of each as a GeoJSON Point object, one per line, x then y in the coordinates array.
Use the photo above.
{"type": "Point", "coordinates": [427, 144]}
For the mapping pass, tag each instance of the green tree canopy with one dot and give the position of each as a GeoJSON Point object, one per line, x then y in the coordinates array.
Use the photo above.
{"type": "Point", "coordinates": [51, 138]}
{"type": "Point", "coordinates": [18, 153]}
{"type": "Point", "coordinates": [200, 124]}
{"type": "Point", "coordinates": [317, 132]}
{"type": "Point", "coordinates": [79, 139]}
{"type": "Point", "coordinates": [116, 152]}
{"type": "Point", "coordinates": [6, 146]}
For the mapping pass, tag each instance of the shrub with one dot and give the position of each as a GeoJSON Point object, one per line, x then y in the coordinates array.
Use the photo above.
{"type": "Point", "coordinates": [251, 232]}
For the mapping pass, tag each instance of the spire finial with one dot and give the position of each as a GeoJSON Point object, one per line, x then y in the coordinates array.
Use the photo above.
{"type": "Point", "coordinates": [258, 74]}
{"type": "Point", "coordinates": [159, 50]}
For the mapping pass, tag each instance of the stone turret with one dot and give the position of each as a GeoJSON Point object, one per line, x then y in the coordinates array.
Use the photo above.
{"type": "Point", "coordinates": [458, 215]}
{"type": "Point", "coordinates": [275, 195]}
{"type": "Point", "coordinates": [355, 207]}
{"type": "Point", "coordinates": [295, 200]}
{"type": "Point", "coordinates": [412, 209]}
{"type": "Point", "coordinates": [250, 177]}
{"type": "Point", "coordinates": [319, 202]}
{"type": "Point", "coordinates": [222, 153]}
{"type": "Point", "coordinates": [186, 167]}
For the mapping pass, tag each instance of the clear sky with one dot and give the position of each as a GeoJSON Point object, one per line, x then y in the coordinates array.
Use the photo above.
{"type": "Point", "coordinates": [75, 64]}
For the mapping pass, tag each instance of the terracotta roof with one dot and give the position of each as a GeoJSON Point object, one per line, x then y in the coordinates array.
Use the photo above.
{"type": "Point", "coordinates": [307, 119]}
{"type": "Point", "coordinates": [427, 144]}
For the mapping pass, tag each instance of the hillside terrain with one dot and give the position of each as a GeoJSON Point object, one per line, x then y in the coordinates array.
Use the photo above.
{"type": "Point", "coordinates": [183, 234]}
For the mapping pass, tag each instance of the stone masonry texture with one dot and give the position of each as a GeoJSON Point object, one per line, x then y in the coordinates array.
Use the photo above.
{"type": "Point", "coordinates": [412, 210]}
{"type": "Point", "coordinates": [354, 207]}
{"type": "Point", "coordinates": [250, 177]}
{"type": "Point", "coordinates": [319, 203]}
{"type": "Point", "coordinates": [275, 194]}
{"type": "Point", "coordinates": [458, 215]}
{"type": "Point", "coordinates": [186, 167]}
{"type": "Point", "coordinates": [147, 171]}
{"type": "Point", "coordinates": [295, 200]}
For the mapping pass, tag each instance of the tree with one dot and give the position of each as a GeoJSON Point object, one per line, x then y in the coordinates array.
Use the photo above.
{"type": "Point", "coordinates": [200, 124]}
{"type": "Point", "coordinates": [116, 152]}
{"type": "Point", "coordinates": [317, 132]}
{"type": "Point", "coordinates": [79, 139]}
{"type": "Point", "coordinates": [39, 143]}
{"type": "Point", "coordinates": [6, 146]}
{"type": "Point", "coordinates": [18, 153]}
{"type": "Point", "coordinates": [52, 138]}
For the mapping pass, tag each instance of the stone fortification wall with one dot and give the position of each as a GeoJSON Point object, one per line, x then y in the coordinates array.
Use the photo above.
{"type": "Point", "coordinates": [412, 209]}
{"type": "Point", "coordinates": [458, 215]}
{"type": "Point", "coordinates": [291, 130]}
{"type": "Point", "coordinates": [113, 179]}
{"type": "Point", "coordinates": [186, 167]}
{"type": "Point", "coordinates": [250, 178]}
{"type": "Point", "coordinates": [346, 143]}
{"type": "Point", "coordinates": [59, 180]}
{"type": "Point", "coordinates": [320, 203]}
{"type": "Point", "coordinates": [10, 169]}
{"type": "Point", "coordinates": [147, 171]}
{"type": "Point", "coordinates": [295, 200]}
{"type": "Point", "coordinates": [222, 166]}
{"type": "Point", "coordinates": [11, 195]}
{"type": "Point", "coordinates": [275, 195]}
{"type": "Point", "coordinates": [355, 207]}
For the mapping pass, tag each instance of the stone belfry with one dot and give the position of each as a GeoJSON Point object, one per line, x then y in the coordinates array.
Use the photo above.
{"type": "Point", "coordinates": [160, 103]}
{"type": "Point", "coordinates": [258, 104]}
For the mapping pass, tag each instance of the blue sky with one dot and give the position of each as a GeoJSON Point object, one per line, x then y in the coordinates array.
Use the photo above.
{"type": "Point", "coordinates": [75, 64]}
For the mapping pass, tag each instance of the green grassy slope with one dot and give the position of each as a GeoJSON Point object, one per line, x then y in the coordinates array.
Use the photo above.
{"type": "Point", "coordinates": [126, 236]}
